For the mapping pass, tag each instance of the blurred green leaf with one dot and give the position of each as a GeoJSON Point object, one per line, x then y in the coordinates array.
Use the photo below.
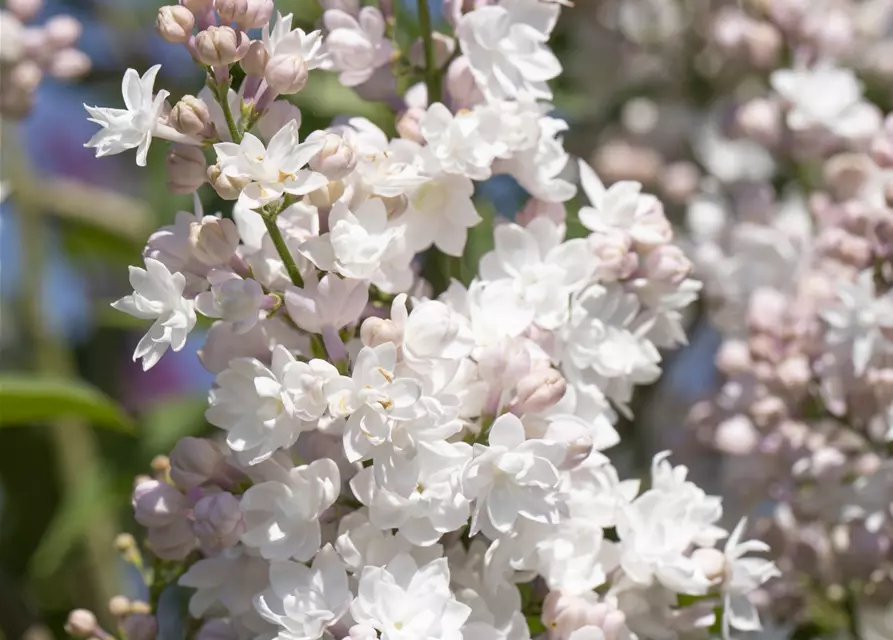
{"type": "Point", "coordinates": [172, 419]}
{"type": "Point", "coordinates": [26, 399]}
{"type": "Point", "coordinates": [480, 240]}
{"type": "Point", "coordinates": [91, 243]}
{"type": "Point", "coordinates": [325, 97]}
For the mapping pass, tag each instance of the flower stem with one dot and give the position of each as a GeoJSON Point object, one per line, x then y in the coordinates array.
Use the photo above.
{"type": "Point", "coordinates": [291, 266]}
{"type": "Point", "coordinates": [221, 93]}
{"type": "Point", "coordinates": [432, 73]}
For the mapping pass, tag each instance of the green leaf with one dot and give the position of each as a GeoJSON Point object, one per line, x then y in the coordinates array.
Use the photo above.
{"type": "Point", "coordinates": [26, 399]}
{"type": "Point", "coordinates": [171, 419]}
{"type": "Point", "coordinates": [535, 625]}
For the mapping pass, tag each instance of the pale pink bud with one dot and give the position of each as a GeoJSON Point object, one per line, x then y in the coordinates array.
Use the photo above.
{"type": "Point", "coordinates": [651, 228]}
{"type": "Point", "coordinates": [173, 541]}
{"type": "Point", "coordinates": [81, 624]}
{"type": "Point", "coordinates": [214, 240]}
{"type": "Point", "coordinates": [461, 86]}
{"type": "Point", "coordinates": [444, 47]}
{"type": "Point", "coordinates": [539, 390]}
{"type": "Point", "coordinates": [24, 10]}
{"type": "Point", "coordinates": [729, 30]}
{"type": "Point", "coordinates": [218, 521]}
{"type": "Point", "coordinates": [324, 197]}
{"type": "Point", "coordinates": [613, 251]}
{"type": "Point", "coordinates": [217, 630]}
{"type": "Point", "coordinates": [736, 436]}
{"type": "Point", "coordinates": [535, 208]}
{"type": "Point", "coordinates": [140, 626]}
{"type": "Point", "coordinates": [768, 410]}
{"type": "Point", "coordinates": [26, 76]}
{"type": "Point", "coordinates": [788, 14]}
{"type": "Point", "coordinates": [882, 151]}
{"type": "Point", "coordinates": [733, 357]}
{"type": "Point", "coordinates": [794, 373]}
{"type": "Point", "coordinates": [337, 158]}
{"type": "Point", "coordinates": [62, 31]}
{"type": "Point", "coordinates": [668, 263]}
{"type": "Point", "coordinates": [832, 31]}
{"type": "Point", "coordinates": [157, 503]}
{"type": "Point", "coordinates": [362, 632]}
{"type": "Point", "coordinates": [377, 331]}
{"type": "Point", "coordinates": [247, 14]}
{"type": "Point", "coordinates": [287, 73]}
{"type": "Point", "coordinates": [711, 562]}
{"type": "Point", "coordinates": [564, 613]}
{"type": "Point", "coordinates": [220, 46]}
{"type": "Point", "coordinates": [847, 173]}
{"type": "Point", "coordinates": [69, 64]}
{"type": "Point", "coordinates": [763, 42]}
{"type": "Point", "coordinates": [194, 461]}
{"type": "Point", "coordinates": [760, 119]}
{"type": "Point", "coordinates": [620, 160]}
{"type": "Point", "coordinates": [226, 187]}
{"type": "Point", "coordinates": [190, 116]}
{"type": "Point", "coordinates": [767, 310]}
{"type": "Point", "coordinates": [197, 7]}
{"type": "Point", "coordinates": [119, 606]}
{"type": "Point", "coordinates": [175, 23]}
{"type": "Point", "coordinates": [256, 58]}
{"type": "Point", "coordinates": [186, 168]}
{"type": "Point", "coordinates": [679, 181]}
{"type": "Point", "coordinates": [409, 124]}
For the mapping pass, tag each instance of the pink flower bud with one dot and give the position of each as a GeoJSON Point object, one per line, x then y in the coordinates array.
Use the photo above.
{"type": "Point", "coordinates": [336, 160]}
{"type": "Point", "coordinates": [140, 626]}
{"type": "Point", "coordinates": [190, 116]}
{"type": "Point", "coordinates": [461, 86]}
{"type": "Point", "coordinates": [668, 263]}
{"type": "Point", "coordinates": [81, 624]}
{"type": "Point", "coordinates": [62, 31]}
{"type": "Point", "coordinates": [324, 197]}
{"type": "Point", "coordinates": [218, 521]}
{"type": "Point", "coordinates": [226, 187]}
{"type": "Point", "coordinates": [175, 23]}
{"type": "Point", "coordinates": [846, 174]}
{"type": "Point", "coordinates": [197, 7]}
{"type": "Point", "coordinates": [256, 58]}
{"type": "Point", "coordinates": [194, 461]}
{"type": "Point", "coordinates": [186, 168]}
{"type": "Point", "coordinates": [794, 373]}
{"type": "Point", "coordinates": [767, 310]}
{"type": "Point", "coordinates": [760, 119]}
{"type": "Point", "coordinates": [679, 181]}
{"type": "Point", "coordinates": [733, 357]}
{"type": "Point", "coordinates": [220, 46]}
{"type": "Point", "coordinates": [69, 64]}
{"type": "Point", "coordinates": [25, 76]}
{"type": "Point", "coordinates": [539, 390]}
{"type": "Point", "coordinates": [613, 251]}
{"type": "Point", "coordinates": [156, 503]}
{"type": "Point", "coordinates": [377, 331]}
{"type": "Point", "coordinates": [247, 14]}
{"type": "Point", "coordinates": [763, 42]}
{"type": "Point", "coordinates": [214, 240]}
{"type": "Point", "coordinates": [409, 124]}
{"type": "Point", "coordinates": [287, 73]}
{"type": "Point", "coordinates": [535, 208]}
{"type": "Point", "coordinates": [736, 436]}
{"type": "Point", "coordinates": [565, 613]}
{"type": "Point", "coordinates": [24, 10]}
{"type": "Point", "coordinates": [362, 632]}
{"type": "Point", "coordinates": [651, 228]}
{"type": "Point", "coordinates": [173, 541]}
{"type": "Point", "coordinates": [217, 630]}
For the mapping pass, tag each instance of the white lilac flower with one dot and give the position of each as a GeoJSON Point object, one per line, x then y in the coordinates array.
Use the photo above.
{"type": "Point", "coordinates": [229, 580]}
{"type": "Point", "coordinates": [283, 40]}
{"type": "Point", "coordinates": [358, 46]}
{"type": "Point", "coordinates": [232, 299]}
{"type": "Point", "coordinates": [362, 544]}
{"type": "Point", "coordinates": [463, 144]}
{"type": "Point", "coordinates": [304, 601]}
{"type": "Point", "coordinates": [158, 295]}
{"type": "Point", "coordinates": [269, 172]}
{"type": "Point", "coordinates": [863, 319]}
{"type": "Point", "coordinates": [255, 404]}
{"type": "Point", "coordinates": [742, 576]}
{"type": "Point", "coordinates": [506, 48]}
{"type": "Point", "coordinates": [406, 602]}
{"type": "Point", "coordinates": [134, 126]}
{"type": "Point", "coordinates": [512, 477]}
{"type": "Point", "coordinates": [441, 212]}
{"type": "Point", "coordinates": [544, 269]}
{"type": "Point", "coordinates": [329, 303]}
{"type": "Point", "coordinates": [282, 517]}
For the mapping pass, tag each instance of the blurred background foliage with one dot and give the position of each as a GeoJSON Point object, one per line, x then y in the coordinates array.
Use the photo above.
{"type": "Point", "coordinates": [78, 419]}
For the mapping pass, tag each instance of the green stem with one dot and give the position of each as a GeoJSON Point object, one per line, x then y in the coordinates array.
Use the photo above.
{"type": "Point", "coordinates": [852, 615]}
{"type": "Point", "coordinates": [432, 73]}
{"type": "Point", "coordinates": [281, 248]}
{"type": "Point", "coordinates": [221, 93]}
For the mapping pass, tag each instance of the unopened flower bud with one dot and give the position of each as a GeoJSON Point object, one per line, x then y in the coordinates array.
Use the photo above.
{"type": "Point", "coordinates": [564, 613]}
{"type": "Point", "coordinates": [119, 606]}
{"type": "Point", "coordinates": [220, 46]}
{"type": "Point", "coordinates": [613, 252]}
{"type": "Point", "coordinates": [218, 521]}
{"type": "Point", "coordinates": [175, 23]}
{"type": "Point", "coordinates": [408, 124]}
{"type": "Point", "coordinates": [25, 77]}
{"type": "Point", "coordinates": [197, 6]}
{"type": "Point", "coordinates": [847, 173]}
{"type": "Point", "coordinates": [763, 42]}
{"type": "Point", "coordinates": [140, 626]}
{"type": "Point", "coordinates": [190, 116]}
{"type": "Point", "coordinates": [733, 357]}
{"type": "Point", "coordinates": [256, 58]}
{"type": "Point", "coordinates": [247, 14]}
{"type": "Point", "coordinates": [62, 31]}
{"type": "Point", "coordinates": [194, 461]}
{"type": "Point", "coordinates": [377, 331]}
{"type": "Point", "coordinates": [124, 542]}
{"type": "Point", "coordinates": [336, 160]}
{"type": "Point", "coordinates": [668, 263]}
{"type": "Point", "coordinates": [287, 73]}
{"type": "Point", "coordinates": [186, 168]}
{"type": "Point", "coordinates": [156, 503]}
{"type": "Point", "coordinates": [536, 208]}
{"type": "Point", "coordinates": [24, 10]}
{"type": "Point", "coordinates": [213, 240]}
{"type": "Point", "coordinates": [81, 624]}
{"type": "Point", "coordinates": [324, 197]}
{"type": "Point", "coordinates": [736, 436]}
{"type": "Point", "coordinates": [226, 187]}
{"type": "Point", "coordinates": [69, 64]}
{"type": "Point", "coordinates": [794, 373]}
{"type": "Point", "coordinates": [679, 181]}
{"type": "Point", "coordinates": [760, 120]}
{"type": "Point", "coordinates": [651, 228]}
{"type": "Point", "coordinates": [217, 630]}
{"type": "Point", "coordinates": [461, 86]}
{"type": "Point", "coordinates": [711, 562]}
{"type": "Point", "coordinates": [539, 390]}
